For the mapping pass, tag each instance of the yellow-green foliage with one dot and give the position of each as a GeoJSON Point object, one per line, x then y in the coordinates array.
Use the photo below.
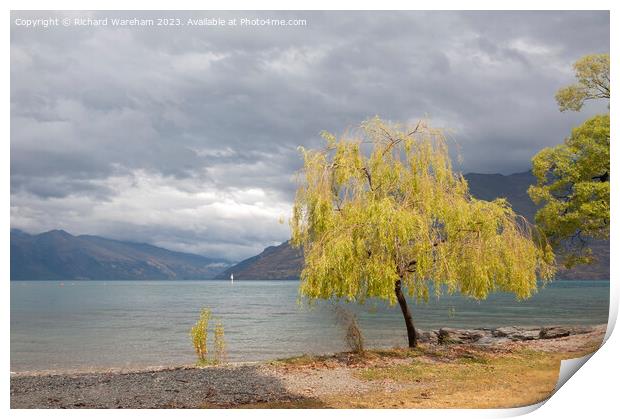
{"type": "Point", "coordinates": [398, 211]}
{"type": "Point", "coordinates": [219, 343]}
{"type": "Point", "coordinates": [573, 186]}
{"type": "Point", "coordinates": [200, 339]}
{"type": "Point", "coordinates": [592, 72]}
{"type": "Point", "coordinates": [199, 334]}
{"type": "Point", "coordinates": [573, 178]}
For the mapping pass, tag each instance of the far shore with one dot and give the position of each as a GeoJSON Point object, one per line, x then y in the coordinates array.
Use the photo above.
{"type": "Point", "coordinates": [504, 367]}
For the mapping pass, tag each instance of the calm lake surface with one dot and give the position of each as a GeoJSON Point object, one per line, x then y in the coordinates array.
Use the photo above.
{"type": "Point", "coordinates": [95, 325]}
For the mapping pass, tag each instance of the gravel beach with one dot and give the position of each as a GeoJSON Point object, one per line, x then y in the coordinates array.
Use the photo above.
{"type": "Point", "coordinates": [238, 385]}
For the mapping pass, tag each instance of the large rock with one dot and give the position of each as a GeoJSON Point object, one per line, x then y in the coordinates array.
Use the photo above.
{"type": "Point", "coordinates": [554, 332]}
{"type": "Point", "coordinates": [427, 336]}
{"type": "Point", "coordinates": [517, 333]}
{"type": "Point", "coordinates": [448, 335]}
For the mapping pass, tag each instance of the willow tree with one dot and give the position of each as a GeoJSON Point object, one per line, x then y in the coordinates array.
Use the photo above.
{"type": "Point", "coordinates": [592, 73]}
{"type": "Point", "coordinates": [572, 185]}
{"type": "Point", "coordinates": [573, 190]}
{"type": "Point", "coordinates": [382, 214]}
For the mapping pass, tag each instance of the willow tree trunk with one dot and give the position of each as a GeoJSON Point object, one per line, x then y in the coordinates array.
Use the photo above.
{"type": "Point", "coordinates": [412, 336]}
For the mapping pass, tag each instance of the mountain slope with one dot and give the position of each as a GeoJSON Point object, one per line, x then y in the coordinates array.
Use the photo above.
{"type": "Point", "coordinates": [283, 262]}
{"type": "Point", "coordinates": [275, 262]}
{"type": "Point", "coordinates": [512, 187]}
{"type": "Point", "coordinates": [58, 255]}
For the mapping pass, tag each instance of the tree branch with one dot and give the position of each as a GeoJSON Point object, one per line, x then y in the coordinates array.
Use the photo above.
{"type": "Point", "coordinates": [603, 178]}
{"type": "Point", "coordinates": [393, 141]}
{"type": "Point", "coordinates": [415, 129]}
{"type": "Point", "coordinates": [367, 173]}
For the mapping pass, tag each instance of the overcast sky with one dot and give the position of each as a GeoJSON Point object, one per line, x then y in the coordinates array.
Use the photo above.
{"type": "Point", "coordinates": [186, 137]}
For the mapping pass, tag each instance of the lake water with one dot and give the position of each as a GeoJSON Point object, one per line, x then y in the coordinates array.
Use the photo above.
{"type": "Point", "coordinates": [93, 325]}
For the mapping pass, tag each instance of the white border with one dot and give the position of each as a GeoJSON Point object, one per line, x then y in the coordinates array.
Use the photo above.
{"type": "Point", "coordinates": [591, 393]}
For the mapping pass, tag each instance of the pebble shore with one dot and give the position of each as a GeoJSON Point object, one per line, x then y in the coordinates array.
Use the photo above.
{"type": "Point", "coordinates": [238, 385]}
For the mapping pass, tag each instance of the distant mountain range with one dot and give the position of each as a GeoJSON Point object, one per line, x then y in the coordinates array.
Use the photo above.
{"type": "Point", "coordinates": [58, 255]}
{"type": "Point", "coordinates": [284, 262]}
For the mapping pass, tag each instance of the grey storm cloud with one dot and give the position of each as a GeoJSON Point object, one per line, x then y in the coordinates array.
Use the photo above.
{"type": "Point", "coordinates": [187, 137]}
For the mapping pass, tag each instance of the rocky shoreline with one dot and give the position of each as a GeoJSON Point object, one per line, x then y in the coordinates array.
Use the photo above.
{"type": "Point", "coordinates": [272, 382]}
{"type": "Point", "coordinates": [494, 336]}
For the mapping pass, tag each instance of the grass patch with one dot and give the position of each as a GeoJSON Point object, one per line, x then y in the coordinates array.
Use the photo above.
{"type": "Point", "coordinates": [398, 353]}
{"type": "Point", "coordinates": [474, 379]}
{"type": "Point", "coordinates": [367, 356]}
{"type": "Point", "coordinates": [474, 359]}
{"type": "Point", "coordinates": [299, 361]}
{"type": "Point", "coordinates": [207, 363]}
{"type": "Point", "coordinates": [473, 365]}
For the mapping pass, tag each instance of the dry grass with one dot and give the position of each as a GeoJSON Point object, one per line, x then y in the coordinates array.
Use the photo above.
{"type": "Point", "coordinates": [453, 376]}
{"type": "Point", "coordinates": [474, 380]}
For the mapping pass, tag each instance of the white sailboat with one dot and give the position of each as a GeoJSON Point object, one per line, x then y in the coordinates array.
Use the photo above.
{"type": "Point", "coordinates": [232, 278]}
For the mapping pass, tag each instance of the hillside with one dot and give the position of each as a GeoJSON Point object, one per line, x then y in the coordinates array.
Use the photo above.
{"type": "Point", "coordinates": [512, 187]}
{"type": "Point", "coordinates": [275, 262]}
{"type": "Point", "coordinates": [283, 262]}
{"type": "Point", "coordinates": [58, 255]}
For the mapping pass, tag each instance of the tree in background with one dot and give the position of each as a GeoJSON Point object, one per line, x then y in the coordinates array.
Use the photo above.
{"type": "Point", "coordinates": [400, 221]}
{"type": "Point", "coordinates": [592, 72]}
{"type": "Point", "coordinates": [573, 178]}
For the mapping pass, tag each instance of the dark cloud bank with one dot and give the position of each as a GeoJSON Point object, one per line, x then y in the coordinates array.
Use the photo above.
{"type": "Point", "coordinates": [186, 137]}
